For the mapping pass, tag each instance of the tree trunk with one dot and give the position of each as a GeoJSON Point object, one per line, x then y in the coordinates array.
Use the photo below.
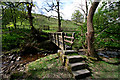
{"type": "Point", "coordinates": [59, 21]}
{"type": "Point", "coordinates": [29, 8]}
{"type": "Point", "coordinates": [86, 10]}
{"type": "Point", "coordinates": [90, 30]}
{"type": "Point", "coordinates": [35, 33]}
{"type": "Point", "coordinates": [14, 18]}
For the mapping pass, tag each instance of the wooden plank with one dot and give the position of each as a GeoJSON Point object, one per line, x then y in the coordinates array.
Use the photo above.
{"type": "Point", "coordinates": [82, 50]}
{"type": "Point", "coordinates": [69, 37]}
{"type": "Point", "coordinates": [68, 41]}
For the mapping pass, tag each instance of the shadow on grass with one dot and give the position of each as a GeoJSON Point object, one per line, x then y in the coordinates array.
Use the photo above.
{"type": "Point", "coordinates": [117, 63]}
{"type": "Point", "coordinates": [113, 63]}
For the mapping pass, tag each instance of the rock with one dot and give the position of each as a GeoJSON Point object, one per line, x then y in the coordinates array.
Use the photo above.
{"type": "Point", "coordinates": [2, 56]}
{"type": "Point", "coordinates": [24, 66]}
{"type": "Point", "coordinates": [14, 58]}
{"type": "Point", "coordinates": [11, 56]}
{"type": "Point", "coordinates": [101, 54]}
{"type": "Point", "coordinates": [16, 67]}
{"type": "Point", "coordinates": [1, 71]}
{"type": "Point", "coordinates": [45, 54]}
{"type": "Point", "coordinates": [5, 63]}
{"type": "Point", "coordinates": [12, 67]}
{"type": "Point", "coordinates": [21, 64]}
{"type": "Point", "coordinates": [38, 53]}
{"type": "Point", "coordinates": [30, 54]}
{"type": "Point", "coordinates": [18, 59]}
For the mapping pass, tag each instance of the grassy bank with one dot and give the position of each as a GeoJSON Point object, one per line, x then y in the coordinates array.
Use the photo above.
{"type": "Point", "coordinates": [108, 68]}
{"type": "Point", "coordinates": [47, 67]}
{"type": "Point", "coordinates": [12, 39]}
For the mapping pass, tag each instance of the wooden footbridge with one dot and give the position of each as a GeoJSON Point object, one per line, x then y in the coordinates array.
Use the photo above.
{"type": "Point", "coordinates": [63, 40]}
{"type": "Point", "coordinates": [75, 64]}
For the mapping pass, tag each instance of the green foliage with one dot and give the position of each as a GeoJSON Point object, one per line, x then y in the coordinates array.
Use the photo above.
{"type": "Point", "coordinates": [80, 37]}
{"type": "Point", "coordinates": [41, 20]}
{"type": "Point", "coordinates": [107, 19]}
{"type": "Point", "coordinates": [77, 16]}
{"type": "Point", "coordinates": [11, 13]}
{"type": "Point", "coordinates": [13, 40]}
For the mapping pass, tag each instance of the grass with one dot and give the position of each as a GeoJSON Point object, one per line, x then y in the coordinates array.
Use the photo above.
{"type": "Point", "coordinates": [47, 67]}
{"type": "Point", "coordinates": [71, 54]}
{"type": "Point", "coordinates": [105, 69]}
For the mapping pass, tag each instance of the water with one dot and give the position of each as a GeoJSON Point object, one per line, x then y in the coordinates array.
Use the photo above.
{"type": "Point", "coordinates": [109, 54]}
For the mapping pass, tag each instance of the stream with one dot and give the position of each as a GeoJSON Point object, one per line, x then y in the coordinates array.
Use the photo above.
{"type": "Point", "coordinates": [15, 62]}
{"type": "Point", "coordinates": [105, 53]}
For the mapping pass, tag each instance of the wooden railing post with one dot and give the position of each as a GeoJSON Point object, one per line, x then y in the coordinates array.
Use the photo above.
{"type": "Point", "coordinates": [63, 41]}
{"type": "Point", "coordinates": [50, 36]}
{"type": "Point", "coordinates": [73, 35]}
{"type": "Point", "coordinates": [55, 37]}
{"type": "Point", "coordinates": [58, 39]}
{"type": "Point", "coordinates": [48, 27]}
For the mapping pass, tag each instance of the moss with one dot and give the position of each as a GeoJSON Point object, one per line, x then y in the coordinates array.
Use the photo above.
{"type": "Point", "coordinates": [71, 54]}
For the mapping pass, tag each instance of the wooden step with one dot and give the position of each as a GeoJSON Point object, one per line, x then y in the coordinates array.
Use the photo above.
{"type": "Point", "coordinates": [78, 66]}
{"type": "Point", "coordinates": [66, 52]}
{"type": "Point", "coordinates": [74, 59]}
{"type": "Point", "coordinates": [81, 73]}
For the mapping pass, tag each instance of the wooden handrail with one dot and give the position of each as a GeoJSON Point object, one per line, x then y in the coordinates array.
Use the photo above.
{"type": "Point", "coordinates": [69, 37]}
{"type": "Point", "coordinates": [60, 38]}
{"type": "Point", "coordinates": [68, 41]}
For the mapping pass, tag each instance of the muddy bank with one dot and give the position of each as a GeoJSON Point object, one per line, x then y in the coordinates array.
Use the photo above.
{"type": "Point", "coordinates": [16, 61]}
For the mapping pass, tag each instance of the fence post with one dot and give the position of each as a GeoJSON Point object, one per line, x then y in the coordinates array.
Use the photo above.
{"type": "Point", "coordinates": [63, 40]}
{"type": "Point", "coordinates": [54, 38]}
{"type": "Point", "coordinates": [50, 36]}
{"type": "Point", "coordinates": [48, 27]}
{"type": "Point", "coordinates": [73, 35]}
{"type": "Point", "coordinates": [43, 27]}
{"type": "Point", "coordinates": [57, 36]}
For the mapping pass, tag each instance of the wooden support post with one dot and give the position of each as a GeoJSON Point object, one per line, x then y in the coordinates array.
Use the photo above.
{"type": "Point", "coordinates": [73, 35]}
{"type": "Point", "coordinates": [58, 39]}
{"type": "Point", "coordinates": [48, 27]}
{"type": "Point", "coordinates": [43, 27]}
{"type": "Point", "coordinates": [55, 37]}
{"type": "Point", "coordinates": [63, 44]}
{"type": "Point", "coordinates": [50, 36]}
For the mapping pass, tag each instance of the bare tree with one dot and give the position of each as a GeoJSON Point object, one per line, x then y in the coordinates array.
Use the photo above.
{"type": "Point", "coordinates": [85, 11]}
{"type": "Point", "coordinates": [56, 8]}
{"type": "Point", "coordinates": [59, 20]}
{"type": "Point", "coordinates": [29, 8]}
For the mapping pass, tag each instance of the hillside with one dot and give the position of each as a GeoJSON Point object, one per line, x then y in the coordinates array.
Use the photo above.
{"type": "Point", "coordinates": [52, 22]}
